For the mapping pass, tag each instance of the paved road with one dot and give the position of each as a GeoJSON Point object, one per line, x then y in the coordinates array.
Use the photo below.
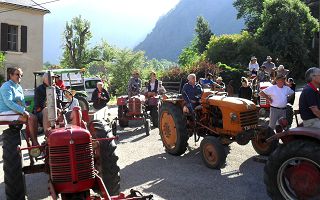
{"type": "Point", "coordinates": [145, 166]}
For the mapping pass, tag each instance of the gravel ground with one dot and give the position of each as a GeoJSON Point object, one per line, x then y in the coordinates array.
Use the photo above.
{"type": "Point", "coordinates": [146, 167]}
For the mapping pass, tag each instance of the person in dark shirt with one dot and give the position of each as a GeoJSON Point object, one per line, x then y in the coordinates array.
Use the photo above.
{"type": "Point", "coordinates": [245, 90]}
{"type": "Point", "coordinates": [40, 98]}
{"type": "Point", "coordinates": [152, 87]}
{"type": "Point", "coordinates": [100, 97]}
{"type": "Point", "coordinates": [309, 101]}
{"type": "Point", "coordinates": [191, 93]}
{"type": "Point", "coordinates": [291, 84]}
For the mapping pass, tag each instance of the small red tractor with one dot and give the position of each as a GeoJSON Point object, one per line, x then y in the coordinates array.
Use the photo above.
{"type": "Point", "coordinates": [76, 158]}
{"type": "Point", "coordinates": [293, 169]}
{"type": "Point", "coordinates": [220, 120]}
{"type": "Point", "coordinates": [138, 108]}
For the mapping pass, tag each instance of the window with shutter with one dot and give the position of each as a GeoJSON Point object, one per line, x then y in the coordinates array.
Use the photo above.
{"type": "Point", "coordinates": [12, 38]}
{"type": "Point", "coordinates": [24, 43]}
{"type": "Point", "coordinates": [4, 37]}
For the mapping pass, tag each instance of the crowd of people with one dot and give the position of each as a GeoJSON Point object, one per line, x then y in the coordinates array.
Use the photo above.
{"type": "Point", "coordinates": [12, 102]}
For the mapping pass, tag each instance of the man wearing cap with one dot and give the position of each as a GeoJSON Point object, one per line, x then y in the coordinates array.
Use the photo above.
{"type": "Point", "coordinates": [59, 83]}
{"type": "Point", "coordinates": [253, 66]}
{"type": "Point", "coordinates": [309, 102]}
{"type": "Point", "coordinates": [134, 85]}
{"type": "Point", "coordinates": [219, 86]}
{"type": "Point", "coordinates": [277, 95]}
{"type": "Point", "coordinates": [270, 66]}
{"type": "Point", "coordinates": [208, 82]}
{"type": "Point", "coordinates": [263, 75]}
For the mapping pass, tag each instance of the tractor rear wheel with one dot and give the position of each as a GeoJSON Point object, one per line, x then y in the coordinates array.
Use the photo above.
{"type": "Point", "coordinates": [289, 115]}
{"type": "Point", "coordinates": [14, 178]}
{"type": "Point", "coordinates": [83, 103]}
{"type": "Point", "coordinates": [123, 120]}
{"type": "Point", "coordinates": [106, 164]}
{"type": "Point", "coordinates": [172, 129]}
{"type": "Point", "coordinates": [154, 116]}
{"type": "Point", "coordinates": [293, 171]}
{"type": "Point", "coordinates": [212, 152]}
{"type": "Point", "coordinates": [261, 146]}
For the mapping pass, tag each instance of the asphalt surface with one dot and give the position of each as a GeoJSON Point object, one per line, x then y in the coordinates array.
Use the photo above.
{"type": "Point", "coordinates": [146, 167]}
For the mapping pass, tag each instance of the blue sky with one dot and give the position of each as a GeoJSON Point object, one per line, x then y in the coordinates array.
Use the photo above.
{"type": "Point", "coordinates": [123, 23]}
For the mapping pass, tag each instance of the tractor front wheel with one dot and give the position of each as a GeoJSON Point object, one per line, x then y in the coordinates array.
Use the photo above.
{"type": "Point", "coordinates": [173, 129]}
{"type": "Point", "coordinates": [259, 142]}
{"type": "Point", "coordinates": [14, 178]}
{"type": "Point", "coordinates": [212, 152]}
{"type": "Point", "coordinates": [106, 163]}
{"type": "Point", "coordinates": [293, 171]}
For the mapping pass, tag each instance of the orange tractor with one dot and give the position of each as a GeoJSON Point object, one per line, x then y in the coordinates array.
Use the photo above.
{"type": "Point", "coordinates": [220, 121]}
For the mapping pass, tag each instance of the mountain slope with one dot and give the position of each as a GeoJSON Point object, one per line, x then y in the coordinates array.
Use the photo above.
{"type": "Point", "coordinates": [175, 30]}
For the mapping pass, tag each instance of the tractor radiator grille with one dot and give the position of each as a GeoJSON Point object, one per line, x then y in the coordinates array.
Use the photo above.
{"type": "Point", "coordinates": [61, 163]}
{"type": "Point", "coordinates": [263, 101]}
{"type": "Point", "coordinates": [248, 118]}
{"type": "Point", "coordinates": [84, 159]}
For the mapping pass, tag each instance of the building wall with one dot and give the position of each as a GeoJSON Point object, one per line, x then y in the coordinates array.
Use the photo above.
{"type": "Point", "coordinates": [31, 60]}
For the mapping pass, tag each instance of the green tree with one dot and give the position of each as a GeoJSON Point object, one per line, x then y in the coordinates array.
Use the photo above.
{"type": "Point", "coordinates": [76, 37]}
{"type": "Point", "coordinates": [287, 30]}
{"type": "Point", "coordinates": [122, 67]}
{"type": "Point", "coordinates": [189, 55]}
{"type": "Point", "coordinates": [203, 34]}
{"type": "Point", "coordinates": [250, 11]}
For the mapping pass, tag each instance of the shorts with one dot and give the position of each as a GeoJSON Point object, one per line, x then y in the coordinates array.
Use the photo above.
{"type": "Point", "coordinates": [9, 116]}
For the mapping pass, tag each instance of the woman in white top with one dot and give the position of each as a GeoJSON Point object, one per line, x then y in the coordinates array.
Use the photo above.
{"type": "Point", "coordinates": [253, 66]}
{"type": "Point", "coordinates": [152, 89]}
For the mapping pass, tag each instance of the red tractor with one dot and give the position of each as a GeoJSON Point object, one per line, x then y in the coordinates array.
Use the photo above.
{"type": "Point", "coordinates": [138, 108]}
{"type": "Point", "coordinates": [76, 158]}
{"type": "Point", "coordinates": [293, 169]}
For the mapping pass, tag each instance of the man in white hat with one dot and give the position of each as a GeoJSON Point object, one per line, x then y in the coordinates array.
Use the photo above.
{"type": "Point", "coordinates": [277, 95]}
{"type": "Point", "coordinates": [253, 66]}
{"type": "Point", "coordinates": [282, 71]}
{"type": "Point", "coordinates": [269, 65]}
{"type": "Point", "coordinates": [220, 86]}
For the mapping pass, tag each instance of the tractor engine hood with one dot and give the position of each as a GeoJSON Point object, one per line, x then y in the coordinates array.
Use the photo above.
{"type": "Point", "coordinates": [234, 103]}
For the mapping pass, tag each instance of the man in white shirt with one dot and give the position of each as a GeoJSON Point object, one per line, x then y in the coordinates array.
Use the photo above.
{"type": "Point", "coordinates": [277, 95]}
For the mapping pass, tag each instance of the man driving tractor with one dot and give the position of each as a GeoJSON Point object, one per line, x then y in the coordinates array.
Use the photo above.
{"type": "Point", "coordinates": [134, 85]}
{"type": "Point", "coordinates": [191, 93]}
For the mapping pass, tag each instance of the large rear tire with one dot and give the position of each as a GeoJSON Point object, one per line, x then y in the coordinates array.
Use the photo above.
{"type": "Point", "coordinates": [293, 171]}
{"type": "Point", "coordinates": [14, 178]}
{"type": "Point", "coordinates": [261, 146]}
{"type": "Point", "coordinates": [289, 115]}
{"type": "Point", "coordinates": [83, 103]}
{"type": "Point", "coordinates": [172, 129]}
{"type": "Point", "coordinates": [212, 152]}
{"type": "Point", "coordinates": [123, 120]}
{"type": "Point", "coordinates": [106, 163]}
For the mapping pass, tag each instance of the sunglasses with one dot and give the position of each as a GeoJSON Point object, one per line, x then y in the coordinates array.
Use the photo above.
{"type": "Point", "coordinates": [20, 75]}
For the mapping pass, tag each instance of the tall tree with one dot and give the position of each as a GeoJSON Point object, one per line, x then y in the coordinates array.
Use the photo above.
{"type": "Point", "coordinates": [76, 37]}
{"type": "Point", "coordinates": [287, 30]}
{"type": "Point", "coordinates": [250, 11]}
{"type": "Point", "coordinates": [203, 34]}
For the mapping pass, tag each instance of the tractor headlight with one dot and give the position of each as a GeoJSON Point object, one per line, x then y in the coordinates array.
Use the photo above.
{"type": "Point", "coordinates": [233, 116]}
{"type": "Point", "coordinates": [35, 152]}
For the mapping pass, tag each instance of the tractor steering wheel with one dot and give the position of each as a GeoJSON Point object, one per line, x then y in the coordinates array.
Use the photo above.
{"type": "Point", "coordinates": [63, 100]}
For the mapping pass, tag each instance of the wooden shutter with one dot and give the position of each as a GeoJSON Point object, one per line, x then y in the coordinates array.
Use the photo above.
{"type": "Point", "coordinates": [24, 39]}
{"type": "Point", "coordinates": [4, 37]}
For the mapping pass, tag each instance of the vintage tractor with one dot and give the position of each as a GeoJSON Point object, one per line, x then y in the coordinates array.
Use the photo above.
{"type": "Point", "coordinates": [76, 158]}
{"type": "Point", "coordinates": [293, 169]}
{"type": "Point", "coordinates": [138, 108]}
{"type": "Point", "coordinates": [220, 120]}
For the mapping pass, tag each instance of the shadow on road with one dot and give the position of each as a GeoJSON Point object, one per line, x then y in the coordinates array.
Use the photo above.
{"type": "Point", "coordinates": [167, 175]}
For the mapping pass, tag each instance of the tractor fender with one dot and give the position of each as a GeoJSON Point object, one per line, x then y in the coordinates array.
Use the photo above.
{"type": "Point", "coordinates": [298, 131]}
